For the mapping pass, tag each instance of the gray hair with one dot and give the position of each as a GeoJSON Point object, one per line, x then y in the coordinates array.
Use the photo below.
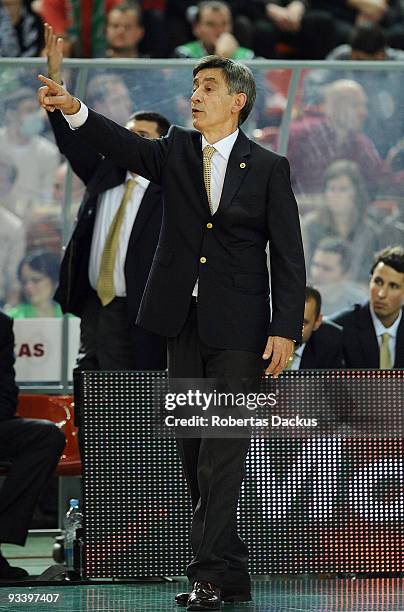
{"type": "Point", "coordinates": [238, 77]}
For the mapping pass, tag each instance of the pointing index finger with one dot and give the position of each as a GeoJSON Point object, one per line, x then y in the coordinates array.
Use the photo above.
{"type": "Point", "coordinates": [51, 84]}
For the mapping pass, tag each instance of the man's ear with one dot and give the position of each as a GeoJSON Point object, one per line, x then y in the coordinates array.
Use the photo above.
{"type": "Point", "coordinates": [239, 102]}
{"type": "Point", "coordinates": [318, 322]}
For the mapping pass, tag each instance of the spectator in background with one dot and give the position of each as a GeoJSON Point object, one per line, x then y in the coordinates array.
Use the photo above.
{"type": "Point", "coordinates": [330, 273]}
{"type": "Point", "coordinates": [384, 123]}
{"type": "Point", "coordinates": [367, 43]}
{"type": "Point", "coordinates": [392, 230]}
{"type": "Point", "coordinates": [373, 332]}
{"type": "Point", "coordinates": [212, 28]}
{"type": "Point", "coordinates": [21, 30]}
{"type": "Point", "coordinates": [33, 448]}
{"type": "Point", "coordinates": [82, 22]}
{"type": "Point", "coordinates": [38, 274]}
{"type": "Point", "coordinates": [315, 141]}
{"type": "Point", "coordinates": [321, 346]}
{"type": "Point", "coordinates": [35, 157]}
{"type": "Point", "coordinates": [124, 31]}
{"type": "Point", "coordinates": [349, 13]}
{"type": "Point", "coordinates": [343, 214]}
{"type": "Point", "coordinates": [12, 237]}
{"type": "Point", "coordinates": [284, 29]}
{"type": "Point", "coordinates": [109, 95]}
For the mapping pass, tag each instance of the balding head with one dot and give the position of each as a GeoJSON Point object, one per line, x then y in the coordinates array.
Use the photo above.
{"type": "Point", "coordinates": [345, 104]}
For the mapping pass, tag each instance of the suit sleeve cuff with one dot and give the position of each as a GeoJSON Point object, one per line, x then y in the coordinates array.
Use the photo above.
{"type": "Point", "coordinates": [78, 119]}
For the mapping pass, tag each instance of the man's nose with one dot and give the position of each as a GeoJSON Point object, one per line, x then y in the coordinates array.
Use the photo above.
{"type": "Point", "coordinates": [382, 292]}
{"type": "Point", "coordinates": [196, 95]}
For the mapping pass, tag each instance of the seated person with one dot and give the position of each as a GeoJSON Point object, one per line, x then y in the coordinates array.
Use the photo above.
{"type": "Point", "coordinates": [367, 43]}
{"type": "Point", "coordinates": [338, 132]}
{"type": "Point", "coordinates": [373, 332]}
{"type": "Point", "coordinates": [212, 29]}
{"type": "Point", "coordinates": [21, 30]}
{"type": "Point", "coordinates": [347, 14]}
{"type": "Point", "coordinates": [290, 28]}
{"type": "Point", "coordinates": [329, 272]}
{"type": "Point", "coordinates": [32, 446]}
{"type": "Point", "coordinates": [34, 156]}
{"type": "Point", "coordinates": [38, 274]}
{"type": "Point", "coordinates": [124, 31]}
{"type": "Point", "coordinates": [343, 214]}
{"type": "Point", "coordinates": [71, 20]}
{"type": "Point", "coordinates": [321, 346]}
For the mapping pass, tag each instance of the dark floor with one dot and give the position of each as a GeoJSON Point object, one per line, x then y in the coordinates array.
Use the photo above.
{"type": "Point", "coordinates": [280, 594]}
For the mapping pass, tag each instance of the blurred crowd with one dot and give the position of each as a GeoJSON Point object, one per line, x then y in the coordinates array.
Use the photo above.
{"type": "Point", "coordinates": [345, 139]}
{"type": "Point", "coordinates": [297, 29]}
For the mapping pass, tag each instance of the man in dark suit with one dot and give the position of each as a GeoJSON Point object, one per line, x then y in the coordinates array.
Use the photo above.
{"type": "Point", "coordinates": [31, 447]}
{"type": "Point", "coordinates": [373, 333]}
{"type": "Point", "coordinates": [321, 346]}
{"type": "Point", "coordinates": [109, 315]}
{"type": "Point", "coordinates": [208, 291]}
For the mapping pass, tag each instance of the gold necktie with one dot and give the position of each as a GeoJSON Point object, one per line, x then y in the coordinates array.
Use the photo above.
{"type": "Point", "coordinates": [105, 283]}
{"type": "Point", "coordinates": [385, 355]}
{"type": "Point", "coordinates": [208, 153]}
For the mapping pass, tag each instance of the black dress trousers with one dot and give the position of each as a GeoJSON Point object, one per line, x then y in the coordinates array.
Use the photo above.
{"type": "Point", "coordinates": [214, 467]}
{"type": "Point", "coordinates": [33, 447]}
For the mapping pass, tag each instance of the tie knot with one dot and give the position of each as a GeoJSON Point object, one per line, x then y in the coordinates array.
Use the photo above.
{"type": "Point", "coordinates": [386, 336]}
{"type": "Point", "coordinates": [208, 152]}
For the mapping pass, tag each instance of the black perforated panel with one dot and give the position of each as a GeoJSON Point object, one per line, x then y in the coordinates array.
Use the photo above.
{"type": "Point", "coordinates": [325, 504]}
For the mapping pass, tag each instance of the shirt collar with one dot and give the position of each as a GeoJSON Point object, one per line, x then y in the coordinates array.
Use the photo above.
{"type": "Point", "coordinates": [379, 327]}
{"type": "Point", "coordinates": [139, 179]}
{"type": "Point", "coordinates": [300, 349]}
{"type": "Point", "coordinates": [223, 146]}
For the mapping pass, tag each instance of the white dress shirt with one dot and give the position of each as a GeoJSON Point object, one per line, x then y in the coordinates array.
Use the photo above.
{"type": "Point", "coordinates": [392, 330]}
{"type": "Point", "coordinates": [297, 357]}
{"type": "Point", "coordinates": [219, 162]}
{"type": "Point", "coordinates": [107, 207]}
{"type": "Point", "coordinates": [106, 210]}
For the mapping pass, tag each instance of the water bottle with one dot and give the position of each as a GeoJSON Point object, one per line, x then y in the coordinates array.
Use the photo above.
{"type": "Point", "coordinates": [73, 521]}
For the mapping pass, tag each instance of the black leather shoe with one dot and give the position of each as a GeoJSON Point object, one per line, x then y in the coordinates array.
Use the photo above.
{"type": "Point", "coordinates": [204, 596]}
{"type": "Point", "coordinates": [8, 572]}
{"type": "Point", "coordinates": [238, 594]}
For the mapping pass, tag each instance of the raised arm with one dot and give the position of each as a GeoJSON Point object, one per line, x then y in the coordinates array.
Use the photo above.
{"type": "Point", "coordinates": [83, 158]}
{"type": "Point", "coordinates": [126, 149]}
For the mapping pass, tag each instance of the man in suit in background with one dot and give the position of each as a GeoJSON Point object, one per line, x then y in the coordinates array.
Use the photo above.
{"type": "Point", "coordinates": [373, 333]}
{"type": "Point", "coordinates": [321, 346]}
{"type": "Point", "coordinates": [32, 447]}
{"type": "Point", "coordinates": [225, 198]}
{"type": "Point", "coordinates": [110, 339]}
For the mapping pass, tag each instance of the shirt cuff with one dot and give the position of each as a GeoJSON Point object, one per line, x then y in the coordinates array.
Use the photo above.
{"type": "Point", "coordinates": [78, 119]}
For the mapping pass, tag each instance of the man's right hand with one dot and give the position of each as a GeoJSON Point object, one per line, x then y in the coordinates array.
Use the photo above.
{"type": "Point", "coordinates": [54, 53]}
{"type": "Point", "coordinates": [55, 97]}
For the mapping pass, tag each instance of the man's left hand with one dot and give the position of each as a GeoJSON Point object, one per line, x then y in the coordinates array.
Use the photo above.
{"type": "Point", "coordinates": [280, 351]}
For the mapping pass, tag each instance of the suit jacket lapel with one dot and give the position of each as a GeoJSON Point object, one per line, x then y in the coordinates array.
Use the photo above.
{"type": "Point", "coordinates": [145, 210]}
{"type": "Point", "coordinates": [367, 337]}
{"type": "Point", "coordinates": [399, 359]}
{"type": "Point", "coordinates": [237, 169]}
{"type": "Point", "coordinates": [308, 360]}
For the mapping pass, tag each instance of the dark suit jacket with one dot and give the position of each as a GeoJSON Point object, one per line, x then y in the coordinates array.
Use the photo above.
{"type": "Point", "coordinates": [257, 206]}
{"type": "Point", "coordinates": [324, 348]}
{"type": "Point", "coordinates": [99, 175]}
{"type": "Point", "coordinates": [361, 349]}
{"type": "Point", "coordinates": [8, 388]}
